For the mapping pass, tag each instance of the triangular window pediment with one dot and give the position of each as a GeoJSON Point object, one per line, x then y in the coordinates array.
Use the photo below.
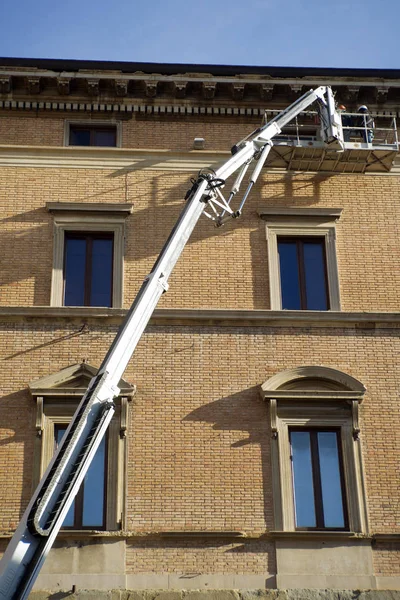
{"type": "Point", "coordinates": [72, 381]}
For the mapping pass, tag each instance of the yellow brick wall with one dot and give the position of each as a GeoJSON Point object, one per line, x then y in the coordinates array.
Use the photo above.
{"type": "Point", "coordinates": [200, 556]}
{"type": "Point", "coordinates": [166, 132]}
{"type": "Point", "coordinates": [220, 268]}
{"type": "Point", "coordinates": [386, 558]}
{"type": "Point", "coordinates": [30, 129]}
{"type": "Point", "coordinates": [199, 441]}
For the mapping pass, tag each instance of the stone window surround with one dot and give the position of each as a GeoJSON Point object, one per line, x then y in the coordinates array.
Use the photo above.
{"type": "Point", "coordinates": [311, 222]}
{"type": "Point", "coordinates": [56, 406]}
{"type": "Point", "coordinates": [94, 217]}
{"type": "Point", "coordinates": [336, 408]}
{"type": "Point", "coordinates": [93, 123]}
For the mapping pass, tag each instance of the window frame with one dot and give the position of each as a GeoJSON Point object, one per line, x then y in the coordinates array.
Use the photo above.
{"type": "Point", "coordinates": [298, 223]}
{"type": "Point", "coordinates": [335, 408]}
{"type": "Point", "coordinates": [91, 124]}
{"type": "Point", "coordinates": [57, 397]}
{"type": "Point", "coordinates": [71, 217]}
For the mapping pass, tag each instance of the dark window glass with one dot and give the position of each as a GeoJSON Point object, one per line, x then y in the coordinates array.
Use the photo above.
{"type": "Point", "coordinates": [88, 269]}
{"type": "Point", "coordinates": [105, 137]}
{"type": "Point", "coordinates": [93, 135]}
{"type": "Point", "coordinates": [75, 271]}
{"type": "Point", "coordinates": [302, 265]}
{"type": "Point", "coordinates": [290, 283]}
{"type": "Point", "coordinates": [79, 137]}
{"type": "Point", "coordinates": [87, 510]}
{"type": "Point", "coordinates": [317, 479]}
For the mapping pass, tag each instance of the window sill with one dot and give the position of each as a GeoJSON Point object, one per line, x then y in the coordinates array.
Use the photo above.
{"type": "Point", "coordinates": [319, 535]}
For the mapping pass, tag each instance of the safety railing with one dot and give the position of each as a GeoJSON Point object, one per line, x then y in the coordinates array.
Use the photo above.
{"type": "Point", "coordinates": [375, 130]}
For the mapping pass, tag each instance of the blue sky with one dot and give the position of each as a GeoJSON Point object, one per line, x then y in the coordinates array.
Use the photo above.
{"type": "Point", "coordinates": [343, 33]}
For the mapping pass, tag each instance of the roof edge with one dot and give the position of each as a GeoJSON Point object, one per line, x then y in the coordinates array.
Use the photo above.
{"type": "Point", "coordinates": [181, 68]}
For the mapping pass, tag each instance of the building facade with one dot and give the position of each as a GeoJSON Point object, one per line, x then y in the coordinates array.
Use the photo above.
{"type": "Point", "coordinates": [255, 444]}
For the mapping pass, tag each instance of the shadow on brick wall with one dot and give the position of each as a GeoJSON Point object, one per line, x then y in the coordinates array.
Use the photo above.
{"type": "Point", "coordinates": [16, 456]}
{"type": "Point", "coordinates": [247, 413]}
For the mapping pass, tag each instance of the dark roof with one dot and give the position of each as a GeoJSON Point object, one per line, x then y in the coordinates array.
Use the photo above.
{"type": "Point", "coordinates": [175, 69]}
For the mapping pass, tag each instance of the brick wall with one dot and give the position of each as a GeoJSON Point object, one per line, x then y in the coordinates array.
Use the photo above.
{"type": "Point", "coordinates": [234, 258]}
{"type": "Point", "coordinates": [199, 449]}
{"type": "Point", "coordinates": [164, 132]}
{"type": "Point", "coordinates": [199, 439]}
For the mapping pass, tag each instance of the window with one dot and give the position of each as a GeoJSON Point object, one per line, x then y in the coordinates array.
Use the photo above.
{"type": "Point", "coordinates": [88, 508]}
{"type": "Point", "coordinates": [317, 471]}
{"type": "Point", "coordinates": [92, 134]}
{"type": "Point", "coordinates": [99, 504]}
{"type": "Point", "coordinates": [88, 253]}
{"type": "Point", "coordinates": [88, 262]}
{"type": "Point", "coordinates": [302, 266]}
{"type": "Point", "coordinates": [318, 482]}
{"type": "Point", "coordinates": [302, 261]}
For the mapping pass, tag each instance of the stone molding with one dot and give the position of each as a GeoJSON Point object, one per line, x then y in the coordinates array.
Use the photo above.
{"type": "Point", "coordinates": [270, 212]}
{"type": "Point", "coordinates": [210, 317]}
{"type": "Point", "coordinates": [116, 106]}
{"type": "Point", "coordinates": [76, 157]}
{"type": "Point", "coordinates": [108, 158]}
{"type": "Point", "coordinates": [296, 223]}
{"type": "Point", "coordinates": [250, 87]}
{"type": "Point", "coordinates": [57, 396]}
{"type": "Point", "coordinates": [293, 409]}
{"type": "Point", "coordinates": [90, 123]}
{"type": "Point", "coordinates": [242, 536]}
{"type": "Point", "coordinates": [73, 217]}
{"type": "Point", "coordinates": [243, 587]}
{"type": "Point", "coordinates": [344, 380]}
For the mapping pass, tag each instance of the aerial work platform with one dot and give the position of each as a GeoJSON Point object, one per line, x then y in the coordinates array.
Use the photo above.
{"type": "Point", "coordinates": [299, 146]}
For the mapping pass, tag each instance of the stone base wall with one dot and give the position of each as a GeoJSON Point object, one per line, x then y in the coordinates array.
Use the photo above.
{"type": "Point", "coordinates": [220, 595]}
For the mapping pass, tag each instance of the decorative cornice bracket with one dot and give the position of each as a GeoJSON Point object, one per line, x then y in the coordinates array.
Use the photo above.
{"type": "Point", "coordinates": [296, 89]}
{"type": "Point", "coordinates": [124, 416]}
{"type": "Point", "coordinates": [355, 418]}
{"type": "Point", "coordinates": [273, 413]}
{"type": "Point", "coordinates": [39, 416]}
{"type": "Point", "coordinates": [5, 84]}
{"type": "Point", "coordinates": [351, 93]}
{"type": "Point", "coordinates": [121, 87]}
{"type": "Point", "coordinates": [63, 86]}
{"type": "Point", "coordinates": [150, 89]}
{"type": "Point", "coordinates": [93, 86]}
{"type": "Point", "coordinates": [33, 85]}
{"type": "Point", "coordinates": [180, 90]}
{"type": "Point", "coordinates": [208, 90]}
{"type": "Point", "coordinates": [382, 94]}
{"type": "Point", "coordinates": [267, 91]}
{"type": "Point", "coordinates": [238, 91]}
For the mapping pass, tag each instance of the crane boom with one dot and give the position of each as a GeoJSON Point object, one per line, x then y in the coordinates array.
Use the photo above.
{"type": "Point", "coordinates": [54, 495]}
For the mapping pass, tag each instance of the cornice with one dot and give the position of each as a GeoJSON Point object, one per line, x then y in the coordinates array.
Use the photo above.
{"type": "Point", "coordinates": [208, 317]}
{"type": "Point", "coordinates": [107, 158]}
{"type": "Point", "coordinates": [209, 86]}
{"type": "Point", "coordinates": [131, 160]}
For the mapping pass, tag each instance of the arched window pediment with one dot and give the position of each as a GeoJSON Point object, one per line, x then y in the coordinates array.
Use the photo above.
{"type": "Point", "coordinates": [312, 379]}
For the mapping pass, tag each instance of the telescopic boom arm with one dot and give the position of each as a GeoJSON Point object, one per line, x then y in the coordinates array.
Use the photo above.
{"type": "Point", "coordinates": [54, 495]}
